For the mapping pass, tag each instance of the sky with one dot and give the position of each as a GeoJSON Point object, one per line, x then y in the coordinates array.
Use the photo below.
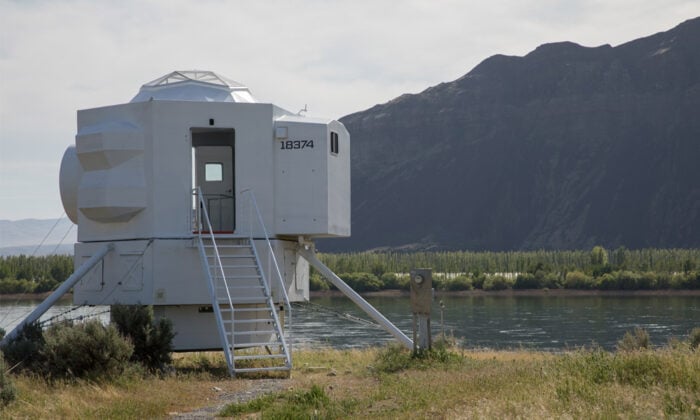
{"type": "Point", "coordinates": [335, 57]}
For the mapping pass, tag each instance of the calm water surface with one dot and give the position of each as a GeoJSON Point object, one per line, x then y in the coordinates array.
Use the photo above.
{"type": "Point", "coordinates": [536, 322]}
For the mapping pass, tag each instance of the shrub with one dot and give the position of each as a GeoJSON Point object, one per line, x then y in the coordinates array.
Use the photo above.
{"type": "Point", "coordinates": [152, 340]}
{"type": "Point", "coordinates": [404, 281]}
{"type": "Point", "coordinates": [362, 282]}
{"type": "Point", "coordinates": [7, 388]}
{"type": "Point", "coordinates": [45, 285]}
{"type": "Point", "coordinates": [694, 338]}
{"type": "Point", "coordinates": [526, 281]}
{"type": "Point", "coordinates": [8, 286]}
{"type": "Point", "coordinates": [459, 283]}
{"type": "Point", "coordinates": [478, 281]}
{"type": "Point", "coordinates": [395, 357]}
{"type": "Point", "coordinates": [635, 340]}
{"type": "Point", "coordinates": [25, 350]}
{"type": "Point", "coordinates": [89, 349]}
{"type": "Point", "coordinates": [551, 281]}
{"type": "Point", "coordinates": [606, 282]}
{"type": "Point", "coordinates": [663, 280]}
{"type": "Point", "coordinates": [316, 282]}
{"type": "Point", "coordinates": [439, 282]}
{"type": "Point", "coordinates": [578, 280]}
{"type": "Point", "coordinates": [627, 280]}
{"type": "Point", "coordinates": [2, 333]}
{"type": "Point", "coordinates": [646, 281]}
{"type": "Point", "coordinates": [390, 281]}
{"type": "Point", "coordinates": [693, 280]}
{"type": "Point", "coordinates": [496, 282]}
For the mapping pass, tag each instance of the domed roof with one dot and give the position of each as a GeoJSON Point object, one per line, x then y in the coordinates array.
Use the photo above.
{"type": "Point", "coordinates": [194, 85]}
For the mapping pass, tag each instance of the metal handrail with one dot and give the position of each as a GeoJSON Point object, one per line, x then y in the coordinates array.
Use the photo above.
{"type": "Point", "coordinates": [253, 204]}
{"type": "Point", "coordinates": [201, 210]}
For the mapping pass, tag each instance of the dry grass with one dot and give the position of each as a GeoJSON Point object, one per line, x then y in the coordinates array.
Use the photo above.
{"type": "Point", "coordinates": [357, 383]}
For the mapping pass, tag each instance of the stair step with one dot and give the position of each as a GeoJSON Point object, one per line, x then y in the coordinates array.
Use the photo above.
{"type": "Point", "coordinates": [248, 321]}
{"type": "Point", "coordinates": [231, 255]}
{"type": "Point", "coordinates": [233, 266]}
{"type": "Point", "coordinates": [227, 246]}
{"type": "Point", "coordinates": [248, 287]}
{"type": "Point", "coordinates": [252, 309]}
{"type": "Point", "coordinates": [262, 369]}
{"type": "Point", "coordinates": [254, 321]}
{"type": "Point", "coordinates": [258, 332]}
{"type": "Point", "coordinates": [263, 344]}
{"type": "Point", "coordinates": [242, 300]}
{"type": "Point", "coordinates": [257, 277]}
{"type": "Point", "coordinates": [261, 357]}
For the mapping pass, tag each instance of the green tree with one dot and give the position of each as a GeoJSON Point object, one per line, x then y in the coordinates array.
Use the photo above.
{"type": "Point", "coordinates": [599, 256]}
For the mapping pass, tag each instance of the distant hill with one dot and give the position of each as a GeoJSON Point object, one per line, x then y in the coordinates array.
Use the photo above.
{"type": "Point", "coordinates": [23, 236]}
{"type": "Point", "coordinates": [566, 147]}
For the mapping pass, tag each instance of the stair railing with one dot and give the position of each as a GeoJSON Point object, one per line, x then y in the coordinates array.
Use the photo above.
{"type": "Point", "coordinates": [202, 217]}
{"type": "Point", "coordinates": [257, 217]}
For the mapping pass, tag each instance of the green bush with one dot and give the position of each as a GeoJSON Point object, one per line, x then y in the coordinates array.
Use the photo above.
{"type": "Point", "coordinates": [151, 339]}
{"type": "Point", "coordinates": [45, 285]}
{"type": "Point", "coordinates": [526, 281]}
{"type": "Point", "coordinates": [439, 282]}
{"type": "Point", "coordinates": [362, 282]}
{"type": "Point", "coordinates": [497, 282]}
{"type": "Point", "coordinates": [578, 280]}
{"type": "Point", "coordinates": [663, 280]}
{"type": "Point", "coordinates": [634, 340]}
{"type": "Point", "coordinates": [395, 357]}
{"type": "Point", "coordinates": [404, 281]}
{"type": "Point", "coordinates": [478, 280]}
{"type": "Point", "coordinates": [85, 350]}
{"type": "Point", "coordinates": [7, 388]}
{"type": "Point", "coordinates": [551, 281]}
{"type": "Point", "coordinates": [25, 350]}
{"type": "Point", "coordinates": [627, 280]}
{"type": "Point", "coordinates": [389, 281]}
{"type": "Point", "coordinates": [606, 282]}
{"type": "Point", "coordinates": [694, 338]}
{"type": "Point", "coordinates": [317, 283]}
{"type": "Point", "coordinates": [9, 285]}
{"type": "Point", "coordinates": [459, 283]}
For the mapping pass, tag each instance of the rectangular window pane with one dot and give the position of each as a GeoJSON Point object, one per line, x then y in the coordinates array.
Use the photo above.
{"type": "Point", "coordinates": [334, 143]}
{"type": "Point", "coordinates": [214, 172]}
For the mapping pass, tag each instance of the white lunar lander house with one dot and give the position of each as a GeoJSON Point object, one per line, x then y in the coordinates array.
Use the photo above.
{"type": "Point", "coordinates": [203, 202]}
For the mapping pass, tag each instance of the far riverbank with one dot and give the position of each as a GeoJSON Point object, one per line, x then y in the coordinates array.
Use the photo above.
{"type": "Point", "coordinates": [404, 293]}
{"type": "Point", "coordinates": [521, 292]}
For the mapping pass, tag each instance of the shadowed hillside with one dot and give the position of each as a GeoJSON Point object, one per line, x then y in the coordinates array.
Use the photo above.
{"type": "Point", "coordinates": [563, 148]}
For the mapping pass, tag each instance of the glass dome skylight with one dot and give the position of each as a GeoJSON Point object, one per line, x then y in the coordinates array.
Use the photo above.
{"type": "Point", "coordinates": [194, 85]}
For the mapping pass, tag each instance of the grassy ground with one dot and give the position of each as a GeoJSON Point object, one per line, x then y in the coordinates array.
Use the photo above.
{"type": "Point", "coordinates": [389, 383]}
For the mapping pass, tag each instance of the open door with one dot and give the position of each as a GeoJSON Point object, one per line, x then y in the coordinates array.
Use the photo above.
{"type": "Point", "coordinates": [214, 171]}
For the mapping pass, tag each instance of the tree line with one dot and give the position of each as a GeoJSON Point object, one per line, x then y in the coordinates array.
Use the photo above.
{"type": "Point", "coordinates": [598, 268]}
{"type": "Point", "coordinates": [27, 274]}
{"type": "Point", "coordinates": [656, 260]}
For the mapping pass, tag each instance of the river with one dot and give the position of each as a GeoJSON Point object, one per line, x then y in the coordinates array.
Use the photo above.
{"type": "Point", "coordinates": [550, 323]}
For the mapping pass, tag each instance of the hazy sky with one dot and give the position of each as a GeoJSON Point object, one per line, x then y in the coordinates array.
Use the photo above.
{"type": "Point", "coordinates": [336, 56]}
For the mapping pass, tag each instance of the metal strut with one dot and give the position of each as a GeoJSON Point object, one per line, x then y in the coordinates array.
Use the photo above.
{"type": "Point", "coordinates": [310, 255]}
{"type": "Point", "coordinates": [58, 293]}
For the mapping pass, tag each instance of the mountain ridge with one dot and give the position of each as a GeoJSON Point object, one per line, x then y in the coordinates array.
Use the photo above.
{"type": "Point", "coordinates": [565, 147]}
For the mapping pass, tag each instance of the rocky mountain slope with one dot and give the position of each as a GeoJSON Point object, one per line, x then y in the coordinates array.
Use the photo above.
{"type": "Point", "coordinates": [566, 147]}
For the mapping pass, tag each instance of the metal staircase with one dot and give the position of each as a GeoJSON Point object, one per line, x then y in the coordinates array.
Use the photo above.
{"type": "Point", "coordinates": [246, 310]}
